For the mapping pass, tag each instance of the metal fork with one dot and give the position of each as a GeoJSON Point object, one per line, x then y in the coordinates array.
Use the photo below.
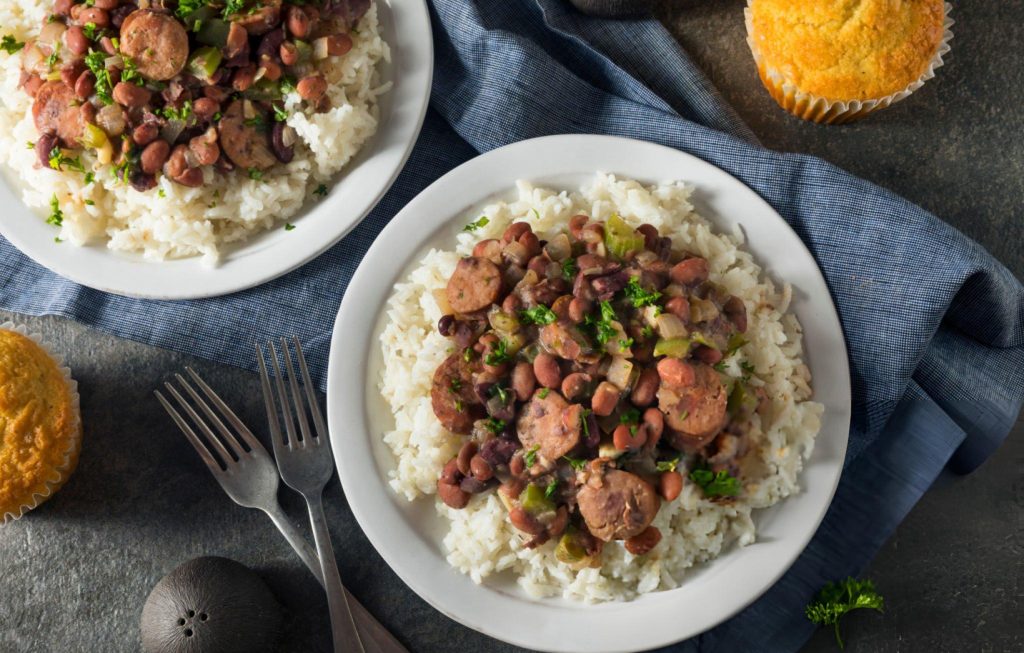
{"type": "Point", "coordinates": [306, 465]}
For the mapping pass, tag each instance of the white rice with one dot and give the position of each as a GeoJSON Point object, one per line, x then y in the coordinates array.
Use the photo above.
{"type": "Point", "coordinates": [481, 541]}
{"type": "Point", "coordinates": [191, 221]}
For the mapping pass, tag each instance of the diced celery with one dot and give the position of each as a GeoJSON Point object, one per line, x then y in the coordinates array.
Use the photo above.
{"type": "Point", "coordinates": [305, 51]}
{"type": "Point", "coordinates": [93, 137]}
{"type": "Point", "coordinates": [533, 501]}
{"type": "Point", "coordinates": [204, 62]}
{"type": "Point", "coordinates": [213, 32]}
{"type": "Point", "coordinates": [736, 341]}
{"type": "Point", "coordinates": [620, 238]}
{"type": "Point", "coordinates": [674, 347]}
{"type": "Point", "coordinates": [569, 550]}
{"type": "Point", "coordinates": [740, 399]}
{"type": "Point", "coordinates": [699, 338]}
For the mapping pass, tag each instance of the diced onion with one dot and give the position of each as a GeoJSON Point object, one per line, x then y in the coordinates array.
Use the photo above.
{"type": "Point", "coordinates": [515, 252]}
{"type": "Point", "coordinates": [441, 298]}
{"type": "Point", "coordinates": [288, 136]}
{"type": "Point", "coordinates": [172, 130]}
{"type": "Point", "coordinates": [669, 326]}
{"type": "Point", "coordinates": [320, 48]}
{"type": "Point", "coordinates": [111, 119]}
{"type": "Point", "coordinates": [51, 34]}
{"type": "Point", "coordinates": [502, 322]}
{"type": "Point", "coordinates": [702, 310]}
{"type": "Point", "coordinates": [558, 248]}
{"type": "Point", "coordinates": [33, 60]}
{"type": "Point", "coordinates": [619, 372]}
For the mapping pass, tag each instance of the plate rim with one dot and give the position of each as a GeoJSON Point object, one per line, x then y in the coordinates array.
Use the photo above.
{"type": "Point", "coordinates": [340, 347]}
{"type": "Point", "coordinates": [131, 275]}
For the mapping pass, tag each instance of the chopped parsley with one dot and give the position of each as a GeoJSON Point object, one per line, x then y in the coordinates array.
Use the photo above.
{"type": "Point", "coordinates": [667, 465]}
{"type": "Point", "coordinates": [640, 296]}
{"type": "Point", "coordinates": [569, 269]}
{"type": "Point", "coordinates": [280, 115]}
{"type": "Point", "coordinates": [58, 160]}
{"type": "Point", "coordinates": [543, 394]}
{"type": "Point", "coordinates": [30, 145]}
{"type": "Point", "coordinates": [255, 174]}
{"type": "Point", "coordinates": [186, 7]}
{"type": "Point", "coordinates": [473, 226]}
{"type": "Point", "coordinates": [89, 177]}
{"type": "Point", "coordinates": [288, 226]}
{"type": "Point", "coordinates": [495, 425]}
{"type": "Point", "coordinates": [56, 215]}
{"type": "Point", "coordinates": [540, 315]}
{"type": "Point", "coordinates": [286, 86]}
{"type": "Point", "coordinates": [584, 422]}
{"type": "Point", "coordinates": [90, 203]}
{"type": "Point", "coordinates": [625, 343]}
{"type": "Point", "coordinates": [499, 391]}
{"type": "Point", "coordinates": [549, 491]}
{"type": "Point", "coordinates": [720, 484]}
{"type": "Point", "coordinates": [10, 45]}
{"type": "Point", "coordinates": [182, 114]}
{"type": "Point", "coordinates": [575, 463]}
{"type": "Point", "coordinates": [499, 354]}
{"type": "Point", "coordinates": [321, 190]}
{"type": "Point", "coordinates": [836, 599]}
{"type": "Point", "coordinates": [455, 385]}
{"type": "Point", "coordinates": [131, 74]}
{"type": "Point", "coordinates": [96, 62]}
{"type": "Point", "coordinates": [647, 331]}
{"type": "Point", "coordinates": [602, 326]}
{"type": "Point", "coordinates": [467, 354]}
{"type": "Point", "coordinates": [257, 122]}
{"type": "Point", "coordinates": [629, 416]}
{"type": "Point", "coordinates": [458, 405]}
{"type": "Point", "coordinates": [535, 213]}
{"type": "Point", "coordinates": [91, 31]}
{"type": "Point", "coordinates": [51, 60]}
{"type": "Point", "coordinates": [233, 7]}
{"type": "Point", "coordinates": [530, 457]}
{"type": "Point", "coordinates": [161, 193]}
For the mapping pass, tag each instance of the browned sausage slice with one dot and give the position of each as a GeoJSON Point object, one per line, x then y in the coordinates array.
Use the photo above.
{"type": "Point", "coordinates": [258, 17]}
{"type": "Point", "coordinates": [156, 42]}
{"type": "Point", "coordinates": [452, 397]}
{"type": "Point", "coordinates": [617, 505]}
{"type": "Point", "coordinates": [564, 340]}
{"type": "Point", "coordinates": [56, 111]}
{"type": "Point", "coordinates": [550, 423]}
{"type": "Point", "coordinates": [694, 414]}
{"type": "Point", "coordinates": [475, 284]}
{"type": "Point", "coordinates": [245, 145]}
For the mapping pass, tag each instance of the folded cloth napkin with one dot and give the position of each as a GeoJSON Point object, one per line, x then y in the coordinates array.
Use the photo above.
{"type": "Point", "coordinates": [934, 325]}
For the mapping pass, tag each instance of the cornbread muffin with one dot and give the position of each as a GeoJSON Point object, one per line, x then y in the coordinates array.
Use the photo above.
{"type": "Point", "coordinates": [835, 60]}
{"type": "Point", "coordinates": [40, 427]}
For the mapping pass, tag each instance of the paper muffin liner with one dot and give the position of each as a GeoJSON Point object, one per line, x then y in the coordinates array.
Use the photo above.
{"type": "Point", "coordinates": [61, 473]}
{"type": "Point", "coordinates": [833, 112]}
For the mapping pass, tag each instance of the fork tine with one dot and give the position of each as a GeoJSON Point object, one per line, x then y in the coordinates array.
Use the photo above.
{"type": "Point", "coordinates": [300, 406]}
{"type": "Point", "coordinates": [211, 438]}
{"type": "Point", "coordinates": [282, 397]}
{"type": "Point", "coordinates": [225, 410]}
{"type": "Point", "coordinates": [268, 400]}
{"type": "Point", "coordinates": [227, 435]}
{"type": "Point", "coordinates": [314, 404]}
{"type": "Point", "coordinates": [200, 448]}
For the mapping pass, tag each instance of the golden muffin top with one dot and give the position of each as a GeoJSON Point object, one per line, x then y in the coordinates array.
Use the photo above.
{"type": "Point", "coordinates": [38, 421]}
{"type": "Point", "coordinates": [847, 49]}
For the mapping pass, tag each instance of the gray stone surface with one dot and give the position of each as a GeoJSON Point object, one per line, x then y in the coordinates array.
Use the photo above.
{"type": "Point", "coordinates": [75, 572]}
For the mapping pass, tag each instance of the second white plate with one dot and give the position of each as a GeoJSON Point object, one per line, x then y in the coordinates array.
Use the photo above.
{"type": "Point", "coordinates": [408, 535]}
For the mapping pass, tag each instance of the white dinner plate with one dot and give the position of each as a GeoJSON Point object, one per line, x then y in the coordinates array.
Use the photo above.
{"type": "Point", "coordinates": [405, 26]}
{"type": "Point", "coordinates": [408, 535]}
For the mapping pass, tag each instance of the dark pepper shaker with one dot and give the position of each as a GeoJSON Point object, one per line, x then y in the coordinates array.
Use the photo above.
{"type": "Point", "coordinates": [613, 8]}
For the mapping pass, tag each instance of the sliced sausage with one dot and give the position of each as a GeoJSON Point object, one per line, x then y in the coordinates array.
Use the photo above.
{"type": "Point", "coordinates": [452, 397]}
{"type": "Point", "coordinates": [564, 340]}
{"type": "Point", "coordinates": [475, 284]}
{"type": "Point", "coordinates": [694, 414]}
{"type": "Point", "coordinates": [56, 110]}
{"type": "Point", "coordinates": [244, 144]}
{"type": "Point", "coordinates": [551, 423]}
{"type": "Point", "coordinates": [156, 42]}
{"type": "Point", "coordinates": [617, 505]}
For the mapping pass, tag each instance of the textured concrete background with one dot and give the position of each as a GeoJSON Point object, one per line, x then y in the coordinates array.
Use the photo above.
{"type": "Point", "coordinates": [74, 573]}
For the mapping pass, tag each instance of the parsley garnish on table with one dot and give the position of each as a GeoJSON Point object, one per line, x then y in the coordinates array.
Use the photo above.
{"type": "Point", "coordinates": [836, 599]}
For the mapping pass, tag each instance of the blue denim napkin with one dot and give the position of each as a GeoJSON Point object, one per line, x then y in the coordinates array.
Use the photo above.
{"type": "Point", "coordinates": [935, 326]}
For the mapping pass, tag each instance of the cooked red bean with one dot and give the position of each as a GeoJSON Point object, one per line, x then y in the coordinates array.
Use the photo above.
{"type": "Point", "coordinates": [205, 108]}
{"type": "Point", "coordinates": [643, 543]}
{"type": "Point", "coordinates": [670, 484]}
{"type": "Point", "coordinates": [192, 177]}
{"type": "Point", "coordinates": [524, 521]}
{"type": "Point", "coordinates": [338, 44]}
{"type": "Point", "coordinates": [689, 271]}
{"type": "Point", "coordinates": [707, 355]}
{"type": "Point", "coordinates": [680, 307]}
{"type": "Point", "coordinates": [605, 398]}
{"type": "Point", "coordinates": [452, 495]}
{"type": "Point", "coordinates": [154, 156]}
{"type": "Point", "coordinates": [95, 15]}
{"type": "Point", "coordinates": [244, 78]}
{"type": "Point", "coordinates": [156, 42]}
{"type": "Point", "coordinates": [523, 380]}
{"type": "Point", "coordinates": [32, 84]}
{"type": "Point", "coordinates": [176, 165]}
{"type": "Point", "coordinates": [76, 41]}
{"type": "Point", "coordinates": [516, 466]}
{"type": "Point", "coordinates": [546, 370]}
{"type": "Point", "coordinates": [145, 133]}
{"type": "Point", "coordinates": [736, 311]}
{"type": "Point", "coordinates": [480, 468]}
{"type": "Point", "coordinates": [645, 390]}
{"type": "Point", "coordinates": [575, 385]}
{"type": "Point", "coordinates": [289, 53]}
{"type": "Point", "coordinates": [466, 454]}
{"type": "Point", "coordinates": [650, 234]}
{"type": "Point", "coordinates": [450, 472]}
{"type": "Point", "coordinates": [204, 147]}
{"type": "Point", "coordinates": [298, 22]}
{"type": "Point", "coordinates": [578, 309]}
{"type": "Point", "coordinates": [675, 372]}
{"type": "Point", "coordinates": [85, 85]}
{"type": "Point", "coordinates": [131, 96]}
{"type": "Point", "coordinates": [629, 437]}
{"type": "Point", "coordinates": [654, 423]}
{"type": "Point", "coordinates": [514, 231]}
{"type": "Point", "coordinates": [62, 7]}
{"type": "Point", "coordinates": [106, 4]}
{"type": "Point", "coordinates": [69, 74]}
{"type": "Point", "coordinates": [312, 88]}
{"type": "Point", "coordinates": [558, 524]}
{"type": "Point", "coordinates": [107, 45]}
{"type": "Point", "coordinates": [44, 146]}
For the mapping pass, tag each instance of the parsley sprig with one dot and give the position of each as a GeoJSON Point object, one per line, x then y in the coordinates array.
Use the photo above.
{"type": "Point", "coordinates": [836, 599]}
{"type": "Point", "coordinates": [499, 354]}
{"type": "Point", "coordinates": [639, 295]}
{"type": "Point", "coordinates": [720, 484]}
{"type": "Point", "coordinates": [10, 45]}
{"type": "Point", "coordinates": [478, 224]}
{"type": "Point", "coordinates": [540, 315]}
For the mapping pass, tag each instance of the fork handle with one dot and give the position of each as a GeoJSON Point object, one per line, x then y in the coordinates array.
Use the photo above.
{"type": "Point", "coordinates": [343, 626]}
{"type": "Point", "coordinates": [297, 541]}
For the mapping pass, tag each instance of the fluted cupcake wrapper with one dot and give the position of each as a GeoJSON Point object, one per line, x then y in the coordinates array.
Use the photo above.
{"type": "Point", "coordinates": [831, 112]}
{"type": "Point", "coordinates": [61, 473]}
